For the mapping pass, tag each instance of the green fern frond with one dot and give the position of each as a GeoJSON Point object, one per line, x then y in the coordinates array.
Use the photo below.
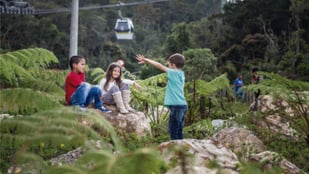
{"type": "Point", "coordinates": [25, 101]}
{"type": "Point", "coordinates": [97, 74]}
{"type": "Point", "coordinates": [11, 75]}
{"type": "Point", "coordinates": [209, 88]}
{"type": "Point", "coordinates": [30, 162]}
{"type": "Point", "coordinates": [44, 86]}
{"type": "Point", "coordinates": [278, 86]}
{"type": "Point", "coordinates": [68, 117]}
{"type": "Point", "coordinates": [160, 79]}
{"type": "Point", "coordinates": [153, 89]}
{"type": "Point", "coordinates": [31, 58]}
{"type": "Point", "coordinates": [49, 75]}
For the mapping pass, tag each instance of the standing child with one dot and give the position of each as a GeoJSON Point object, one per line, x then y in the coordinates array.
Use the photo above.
{"type": "Point", "coordinates": [117, 91]}
{"type": "Point", "coordinates": [174, 94]}
{"type": "Point", "coordinates": [77, 91]}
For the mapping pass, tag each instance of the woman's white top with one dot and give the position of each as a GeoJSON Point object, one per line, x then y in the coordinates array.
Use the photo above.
{"type": "Point", "coordinates": [111, 84]}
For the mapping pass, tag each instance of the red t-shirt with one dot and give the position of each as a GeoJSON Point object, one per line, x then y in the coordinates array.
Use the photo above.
{"type": "Point", "coordinates": [72, 81]}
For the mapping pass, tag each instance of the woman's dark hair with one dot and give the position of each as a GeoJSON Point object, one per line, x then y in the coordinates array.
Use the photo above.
{"type": "Point", "coordinates": [109, 75]}
{"type": "Point", "coordinates": [75, 60]}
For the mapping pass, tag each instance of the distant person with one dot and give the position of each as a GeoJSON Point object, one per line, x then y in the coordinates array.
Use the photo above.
{"type": "Point", "coordinates": [121, 62]}
{"type": "Point", "coordinates": [255, 78]}
{"type": "Point", "coordinates": [117, 91]}
{"type": "Point", "coordinates": [174, 94]}
{"type": "Point", "coordinates": [238, 83]}
{"type": "Point", "coordinates": [124, 72]}
{"type": "Point", "coordinates": [77, 91]}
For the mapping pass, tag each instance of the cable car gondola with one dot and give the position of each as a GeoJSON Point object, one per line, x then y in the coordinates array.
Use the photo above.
{"type": "Point", "coordinates": [124, 29]}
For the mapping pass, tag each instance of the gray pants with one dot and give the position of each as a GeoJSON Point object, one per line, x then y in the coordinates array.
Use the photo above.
{"type": "Point", "coordinates": [108, 97]}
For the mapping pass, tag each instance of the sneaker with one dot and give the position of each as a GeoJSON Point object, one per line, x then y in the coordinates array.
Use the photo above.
{"type": "Point", "coordinates": [103, 109]}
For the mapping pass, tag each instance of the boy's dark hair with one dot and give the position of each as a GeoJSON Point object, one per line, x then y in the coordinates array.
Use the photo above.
{"type": "Point", "coordinates": [177, 59]}
{"type": "Point", "coordinates": [75, 60]}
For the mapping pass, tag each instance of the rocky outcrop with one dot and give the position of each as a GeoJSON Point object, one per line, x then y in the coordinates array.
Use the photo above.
{"type": "Point", "coordinates": [133, 122]}
{"type": "Point", "coordinates": [201, 153]}
{"type": "Point", "coordinates": [217, 154]}
{"type": "Point", "coordinates": [239, 140]}
{"type": "Point", "coordinates": [277, 124]}
{"type": "Point", "coordinates": [271, 159]}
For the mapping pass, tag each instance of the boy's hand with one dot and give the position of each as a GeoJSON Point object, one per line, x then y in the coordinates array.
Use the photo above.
{"type": "Point", "coordinates": [140, 58]}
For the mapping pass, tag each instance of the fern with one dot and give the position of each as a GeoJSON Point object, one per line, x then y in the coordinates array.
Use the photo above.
{"type": "Point", "coordinates": [12, 74]}
{"type": "Point", "coordinates": [25, 101]}
{"type": "Point", "coordinates": [207, 88]}
{"type": "Point", "coordinates": [31, 58]}
{"type": "Point", "coordinates": [56, 78]}
{"type": "Point", "coordinates": [97, 74]}
{"type": "Point", "coordinates": [153, 90]}
{"type": "Point", "coordinates": [51, 133]}
{"type": "Point", "coordinates": [143, 161]}
{"type": "Point", "coordinates": [25, 68]}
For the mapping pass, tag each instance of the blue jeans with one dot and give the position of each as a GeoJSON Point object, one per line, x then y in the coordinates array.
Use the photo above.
{"type": "Point", "coordinates": [84, 95]}
{"type": "Point", "coordinates": [176, 121]}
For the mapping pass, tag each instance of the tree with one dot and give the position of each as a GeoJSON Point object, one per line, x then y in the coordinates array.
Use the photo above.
{"type": "Point", "coordinates": [179, 40]}
{"type": "Point", "coordinates": [200, 64]}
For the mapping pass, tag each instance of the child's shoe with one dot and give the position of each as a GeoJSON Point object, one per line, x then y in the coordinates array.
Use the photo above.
{"type": "Point", "coordinates": [103, 109]}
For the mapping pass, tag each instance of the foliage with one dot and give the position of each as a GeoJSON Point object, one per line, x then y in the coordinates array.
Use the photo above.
{"type": "Point", "coordinates": [153, 89]}
{"type": "Point", "coordinates": [208, 88]}
{"type": "Point", "coordinates": [142, 161]}
{"type": "Point", "coordinates": [179, 40]}
{"type": "Point", "coordinates": [294, 151]}
{"type": "Point", "coordinates": [204, 96]}
{"type": "Point", "coordinates": [25, 101]}
{"type": "Point", "coordinates": [200, 64]}
{"type": "Point", "coordinates": [97, 74]}
{"type": "Point", "coordinates": [200, 129]}
{"type": "Point", "coordinates": [294, 93]}
{"type": "Point", "coordinates": [51, 133]}
{"type": "Point", "coordinates": [23, 68]}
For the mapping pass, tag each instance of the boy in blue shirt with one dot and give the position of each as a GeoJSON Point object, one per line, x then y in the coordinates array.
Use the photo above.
{"type": "Point", "coordinates": [174, 95]}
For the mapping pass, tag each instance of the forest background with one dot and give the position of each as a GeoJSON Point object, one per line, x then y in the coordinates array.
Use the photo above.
{"type": "Point", "coordinates": [270, 35]}
{"type": "Point", "coordinates": [217, 42]}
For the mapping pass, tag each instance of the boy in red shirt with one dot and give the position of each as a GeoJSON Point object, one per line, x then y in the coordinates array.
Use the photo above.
{"type": "Point", "coordinates": [77, 91]}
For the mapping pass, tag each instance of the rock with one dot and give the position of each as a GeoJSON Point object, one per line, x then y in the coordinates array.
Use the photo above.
{"type": "Point", "coordinates": [133, 122]}
{"type": "Point", "coordinates": [278, 125]}
{"type": "Point", "coordinates": [239, 139]}
{"type": "Point", "coordinates": [199, 153]}
{"type": "Point", "coordinates": [273, 159]}
{"type": "Point", "coordinates": [67, 158]}
{"type": "Point", "coordinates": [199, 170]}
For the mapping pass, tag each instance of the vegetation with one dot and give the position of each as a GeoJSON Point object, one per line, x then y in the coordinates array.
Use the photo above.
{"type": "Point", "coordinates": [217, 43]}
